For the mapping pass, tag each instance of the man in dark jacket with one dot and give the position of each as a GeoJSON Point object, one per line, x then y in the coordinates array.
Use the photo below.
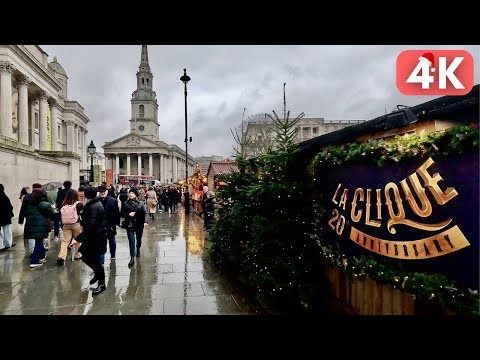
{"type": "Point", "coordinates": [93, 238]}
{"type": "Point", "coordinates": [112, 214]}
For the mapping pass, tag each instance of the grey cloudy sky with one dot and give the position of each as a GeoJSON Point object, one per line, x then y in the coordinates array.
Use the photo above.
{"type": "Point", "coordinates": [333, 82]}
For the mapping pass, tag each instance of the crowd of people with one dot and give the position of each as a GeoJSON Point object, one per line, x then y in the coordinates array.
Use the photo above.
{"type": "Point", "coordinates": [89, 218]}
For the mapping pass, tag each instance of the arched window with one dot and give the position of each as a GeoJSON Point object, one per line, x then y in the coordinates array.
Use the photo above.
{"type": "Point", "coordinates": [147, 81]}
{"type": "Point", "coordinates": [141, 111]}
{"type": "Point", "coordinates": [143, 81]}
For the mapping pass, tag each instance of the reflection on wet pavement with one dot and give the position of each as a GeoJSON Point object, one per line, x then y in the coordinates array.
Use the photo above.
{"type": "Point", "coordinates": [170, 278]}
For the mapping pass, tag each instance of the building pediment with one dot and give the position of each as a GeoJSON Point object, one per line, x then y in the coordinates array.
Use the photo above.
{"type": "Point", "coordinates": [131, 141]}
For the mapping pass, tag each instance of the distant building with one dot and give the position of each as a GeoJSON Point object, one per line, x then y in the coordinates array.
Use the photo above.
{"type": "Point", "coordinates": [261, 134]}
{"type": "Point", "coordinates": [140, 155]}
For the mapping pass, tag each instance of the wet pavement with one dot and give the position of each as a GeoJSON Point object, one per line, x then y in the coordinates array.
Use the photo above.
{"type": "Point", "coordinates": [171, 277]}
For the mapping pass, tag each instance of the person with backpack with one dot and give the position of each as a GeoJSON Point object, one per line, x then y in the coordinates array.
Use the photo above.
{"type": "Point", "coordinates": [70, 216]}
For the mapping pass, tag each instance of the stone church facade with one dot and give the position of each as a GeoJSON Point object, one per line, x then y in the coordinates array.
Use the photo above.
{"type": "Point", "coordinates": [140, 154]}
{"type": "Point", "coordinates": [42, 132]}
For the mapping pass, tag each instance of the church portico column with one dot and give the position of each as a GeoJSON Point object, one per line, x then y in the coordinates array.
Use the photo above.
{"type": "Point", "coordinates": [6, 69]}
{"type": "Point", "coordinates": [139, 164]}
{"type": "Point", "coordinates": [70, 135]}
{"type": "Point", "coordinates": [165, 168]}
{"type": "Point", "coordinates": [23, 107]}
{"type": "Point", "coordinates": [43, 121]}
{"type": "Point", "coordinates": [150, 164]}
{"type": "Point", "coordinates": [160, 174]}
{"type": "Point", "coordinates": [128, 164]}
{"type": "Point", "coordinates": [117, 166]}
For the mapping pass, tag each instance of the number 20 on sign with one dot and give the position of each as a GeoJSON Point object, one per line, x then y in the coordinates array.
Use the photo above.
{"type": "Point", "coordinates": [435, 72]}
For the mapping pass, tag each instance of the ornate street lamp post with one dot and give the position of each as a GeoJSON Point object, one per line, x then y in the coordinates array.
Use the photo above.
{"type": "Point", "coordinates": [91, 150]}
{"type": "Point", "coordinates": [185, 79]}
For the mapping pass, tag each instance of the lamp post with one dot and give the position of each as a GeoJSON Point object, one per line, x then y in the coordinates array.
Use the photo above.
{"type": "Point", "coordinates": [185, 79]}
{"type": "Point", "coordinates": [91, 150]}
{"type": "Point", "coordinates": [171, 150]}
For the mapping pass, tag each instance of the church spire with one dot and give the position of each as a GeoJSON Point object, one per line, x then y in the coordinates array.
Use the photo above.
{"type": "Point", "coordinates": [144, 57]}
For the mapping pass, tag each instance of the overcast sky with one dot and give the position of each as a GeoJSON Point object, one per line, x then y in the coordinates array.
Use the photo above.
{"type": "Point", "coordinates": [334, 82]}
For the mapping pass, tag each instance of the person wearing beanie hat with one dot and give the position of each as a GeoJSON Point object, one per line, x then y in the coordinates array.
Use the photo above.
{"type": "Point", "coordinates": [133, 190]}
{"type": "Point", "coordinates": [135, 215]}
{"type": "Point", "coordinates": [93, 238]}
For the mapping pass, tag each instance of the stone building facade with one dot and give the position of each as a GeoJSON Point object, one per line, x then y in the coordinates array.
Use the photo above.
{"type": "Point", "coordinates": [261, 134]}
{"type": "Point", "coordinates": [42, 132]}
{"type": "Point", "coordinates": [140, 154]}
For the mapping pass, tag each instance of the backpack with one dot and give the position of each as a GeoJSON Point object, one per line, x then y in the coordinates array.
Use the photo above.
{"type": "Point", "coordinates": [69, 214]}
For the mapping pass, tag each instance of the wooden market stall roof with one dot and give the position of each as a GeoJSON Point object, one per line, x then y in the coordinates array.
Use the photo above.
{"type": "Point", "coordinates": [221, 168]}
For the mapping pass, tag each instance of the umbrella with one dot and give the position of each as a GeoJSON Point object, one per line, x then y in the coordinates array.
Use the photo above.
{"type": "Point", "coordinates": [51, 186]}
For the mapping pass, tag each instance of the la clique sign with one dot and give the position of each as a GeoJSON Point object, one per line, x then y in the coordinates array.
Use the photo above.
{"type": "Point", "coordinates": [361, 209]}
{"type": "Point", "coordinates": [435, 72]}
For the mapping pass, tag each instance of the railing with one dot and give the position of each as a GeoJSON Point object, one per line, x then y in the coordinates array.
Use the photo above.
{"type": "Point", "coordinates": [364, 296]}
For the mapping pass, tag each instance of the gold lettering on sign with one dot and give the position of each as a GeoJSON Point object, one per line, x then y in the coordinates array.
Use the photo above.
{"type": "Point", "coordinates": [446, 242]}
{"type": "Point", "coordinates": [343, 200]}
{"type": "Point", "coordinates": [426, 209]}
{"type": "Point", "coordinates": [356, 217]}
{"type": "Point", "coordinates": [432, 183]}
{"type": "Point", "coordinates": [336, 193]}
{"type": "Point", "coordinates": [379, 204]}
{"type": "Point", "coordinates": [367, 214]}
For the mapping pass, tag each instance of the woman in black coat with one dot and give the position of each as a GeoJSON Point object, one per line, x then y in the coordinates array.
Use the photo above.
{"type": "Point", "coordinates": [93, 238]}
{"type": "Point", "coordinates": [6, 215]}
{"type": "Point", "coordinates": [135, 216]}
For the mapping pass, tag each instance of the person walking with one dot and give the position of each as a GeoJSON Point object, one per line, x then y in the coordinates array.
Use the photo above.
{"type": "Point", "coordinates": [37, 211]}
{"type": "Point", "coordinates": [70, 216]}
{"type": "Point", "coordinates": [135, 215]}
{"type": "Point", "coordinates": [112, 214]}
{"type": "Point", "coordinates": [62, 193]}
{"type": "Point", "coordinates": [6, 215]}
{"type": "Point", "coordinates": [93, 238]}
{"type": "Point", "coordinates": [152, 202]}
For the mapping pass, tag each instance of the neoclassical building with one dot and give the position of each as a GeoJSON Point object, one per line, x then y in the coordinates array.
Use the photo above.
{"type": "Point", "coordinates": [141, 154]}
{"type": "Point", "coordinates": [260, 135]}
{"type": "Point", "coordinates": [42, 132]}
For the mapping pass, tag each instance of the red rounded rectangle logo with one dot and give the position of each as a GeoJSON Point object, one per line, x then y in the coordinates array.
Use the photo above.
{"type": "Point", "coordinates": [435, 72]}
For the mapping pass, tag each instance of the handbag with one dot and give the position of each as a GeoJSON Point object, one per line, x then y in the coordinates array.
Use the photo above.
{"type": "Point", "coordinates": [154, 202]}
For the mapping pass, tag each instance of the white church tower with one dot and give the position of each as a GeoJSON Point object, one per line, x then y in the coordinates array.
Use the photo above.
{"type": "Point", "coordinates": [144, 119]}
